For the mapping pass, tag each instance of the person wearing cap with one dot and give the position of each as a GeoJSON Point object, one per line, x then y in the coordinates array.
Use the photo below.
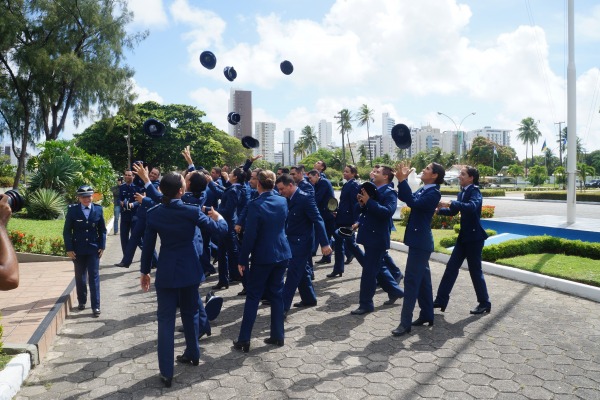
{"type": "Point", "coordinates": [418, 238]}
{"type": "Point", "coordinates": [303, 225]}
{"type": "Point", "coordinates": [84, 234]}
{"type": "Point", "coordinates": [128, 207]}
{"type": "Point", "coordinates": [374, 235]}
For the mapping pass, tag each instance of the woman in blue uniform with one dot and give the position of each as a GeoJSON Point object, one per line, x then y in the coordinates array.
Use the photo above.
{"type": "Point", "coordinates": [179, 272]}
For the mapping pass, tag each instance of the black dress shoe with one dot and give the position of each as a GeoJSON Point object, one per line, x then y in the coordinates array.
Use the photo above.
{"type": "Point", "coordinates": [244, 346]}
{"type": "Point", "coordinates": [182, 359]}
{"type": "Point", "coordinates": [81, 307]}
{"type": "Point", "coordinates": [359, 311]}
{"type": "Point", "coordinates": [480, 309]}
{"type": "Point", "coordinates": [122, 265]}
{"type": "Point", "coordinates": [207, 333]}
{"type": "Point", "coordinates": [334, 275]}
{"type": "Point", "coordinates": [437, 304]}
{"type": "Point", "coordinates": [391, 300]}
{"type": "Point", "coordinates": [301, 304]}
{"type": "Point", "coordinates": [242, 293]}
{"type": "Point", "coordinates": [278, 342]}
{"type": "Point", "coordinates": [96, 312]}
{"type": "Point", "coordinates": [349, 260]}
{"type": "Point", "coordinates": [166, 381]}
{"type": "Point", "coordinates": [323, 261]}
{"type": "Point", "coordinates": [220, 286]}
{"type": "Point", "coordinates": [400, 330]}
{"type": "Point", "coordinates": [422, 321]}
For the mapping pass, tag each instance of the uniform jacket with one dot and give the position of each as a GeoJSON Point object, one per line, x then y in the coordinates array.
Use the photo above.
{"type": "Point", "coordinates": [127, 196]}
{"type": "Point", "coordinates": [306, 187]}
{"type": "Point", "coordinates": [229, 204]}
{"type": "Point", "coordinates": [84, 236]}
{"type": "Point", "coordinates": [243, 215]}
{"type": "Point", "coordinates": [264, 236]}
{"type": "Point", "coordinates": [376, 219]}
{"type": "Point", "coordinates": [323, 192]}
{"type": "Point", "coordinates": [468, 204]}
{"type": "Point", "coordinates": [347, 211]}
{"type": "Point", "coordinates": [302, 221]}
{"type": "Point", "coordinates": [422, 207]}
{"type": "Point", "coordinates": [178, 226]}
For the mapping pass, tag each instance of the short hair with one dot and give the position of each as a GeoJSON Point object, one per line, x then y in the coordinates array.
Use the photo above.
{"type": "Point", "coordinates": [353, 169]}
{"type": "Point", "coordinates": [300, 167]}
{"type": "Point", "coordinates": [198, 182]}
{"type": "Point", "coordinates": [286, 180]}
{"type": "Point", "coordinates": [266, 179]}
{"type": "Point", "coordinates": [156, 168]}
{"type": "Point", "coordinates": [284, 170]}
{"type": "Point", "coordinates": [324, 165]}
{"type": "Point", "coordinates": [376, 166]}
{"type": "Point", "coordinates": [239, 174]}
{"type": "Point", "coordinates": [440, 171]}
{"type": "Point", "coordinates": [169, 186]}
{"type": "Point", "coordinates": [388, 172]}
{"type": "Point", "coordinates": [314, 172]}
{"type": "Point", "coordinates": [217, 170]}
{"type": "Point", "coordinates": [474, 172]}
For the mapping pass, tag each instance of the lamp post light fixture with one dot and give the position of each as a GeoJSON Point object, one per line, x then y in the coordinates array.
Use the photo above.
{"type": "Point", "coordinates": [462, 142]}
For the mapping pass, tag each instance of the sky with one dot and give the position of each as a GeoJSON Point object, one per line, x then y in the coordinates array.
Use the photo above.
{"type": "Point", "coordinates": [504, 60]}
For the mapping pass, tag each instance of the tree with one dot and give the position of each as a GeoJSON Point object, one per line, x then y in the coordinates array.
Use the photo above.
{"type": "Point", "coordinates": [560, 176]}
{"type": "Point", "coordinates": [60, 56]}
{"type": "Point", "coordinates": [593, 159]}
{"type": "Point", "coordinates": [364, 117]}
{"type": "Point", "coordinates": [184, 127]}
{"type": "Point", "coordinates": [515, 170]}
{"type": "Point", "coordinates": [584, 170]}
{"type": "Point", "coordinates": [537, 175]}
{"type": "Point", "coordinates": [482, 151]}
{"type": "Point", "coordinates": [308, 136]}
{"type": "Point", "coordinates": [362, 153]}
{"type": "Point", "coordinates": [344, 118]}
{"type": "Point", "coordinates": [529, 133]}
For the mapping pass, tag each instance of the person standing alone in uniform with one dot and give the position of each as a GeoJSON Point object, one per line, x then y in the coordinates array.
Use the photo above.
{"type": "Point", "coordinates": [84, 234]}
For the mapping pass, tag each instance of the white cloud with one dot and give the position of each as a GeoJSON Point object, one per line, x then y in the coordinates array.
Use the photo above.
{"type": "Point", "coordinates": [214, 103]}
{"type": "Point", "coordinates": [149, 13]}
{"type": "Point", "coordinates": [144, 94]}
{"type": "Point", "coordinates": [588, 25]}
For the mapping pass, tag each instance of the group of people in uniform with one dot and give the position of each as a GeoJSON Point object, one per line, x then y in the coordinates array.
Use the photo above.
{"type": "Point", "coordinates": [264, 230]}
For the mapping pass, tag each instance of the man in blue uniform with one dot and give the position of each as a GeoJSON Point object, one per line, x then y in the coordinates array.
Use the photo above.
{"type": "Point", "coordinates": [323, 192]}
{"type": "Point", "coordinates": [84, 234]}
{"type": "Point", "coordinates": [128, 208]}
{"type": "Point", "coordinates": [303, 223]}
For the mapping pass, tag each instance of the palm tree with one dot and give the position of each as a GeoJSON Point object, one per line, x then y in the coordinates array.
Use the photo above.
{"type": "Point", "coordinates": [515, 170]}
{"type": "Point", "coordinates": [364, 117]}
{"type": "Point", "coordinates": [309, 137]}
{"type": "Point", "coordinates": [528, 134]}
{"type": "Point", "coordinates": [344, 118]}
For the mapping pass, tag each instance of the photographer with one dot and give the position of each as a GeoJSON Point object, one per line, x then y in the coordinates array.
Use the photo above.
{"type": "Point", "coordinates": [9, 266]}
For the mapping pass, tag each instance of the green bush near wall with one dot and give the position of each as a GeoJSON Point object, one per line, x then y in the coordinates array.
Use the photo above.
{"type": "Point", "coordinates": [539, 245]}
{"type": "Point", "coordinates": [484, 192]}
{"type": "Point", "coordinates": [562, 195]}
{"type": "Point", "coordinates": [451, 241]}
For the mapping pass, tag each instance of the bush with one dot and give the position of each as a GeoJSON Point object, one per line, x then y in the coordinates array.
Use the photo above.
{"type": "Point", "coordinates": [443, 221]}
{"type": "Point", "coordinates": [6, 181]}
{"type": "Point", "coordinates": [451, 240]}
{"type": "Point", "coordinates": [541, 244]}
{"type": "Point", "coordinates": [484, 192]}
{"type": "Point", "coordinates": [562, 195]}
{"type": "Point", "coordinates": [45, 204]}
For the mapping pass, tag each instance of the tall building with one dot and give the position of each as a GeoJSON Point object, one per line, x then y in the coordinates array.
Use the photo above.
{"type": "Point", "coordinates": [265, 133]}
{"type": "Point", "coordinates": [425, 138]}
{"type": "Point", "coordinates": [240, 101]}
{"type": "Point", "coordinates": [387, 143]}
{"type": "Point", "coordinates": [325, 131]}
{"type": "Point", "coordinates": [500, 136]}
{"type": "Point", "coordinates": [289, 158]}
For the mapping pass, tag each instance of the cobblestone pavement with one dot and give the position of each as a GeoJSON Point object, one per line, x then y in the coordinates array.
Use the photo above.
{"type": "Point", "coordinates": [535, 344]}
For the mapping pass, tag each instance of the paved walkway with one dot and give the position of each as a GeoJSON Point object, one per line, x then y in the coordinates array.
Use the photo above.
{"type": "Point", "coordinates": [536, 344]}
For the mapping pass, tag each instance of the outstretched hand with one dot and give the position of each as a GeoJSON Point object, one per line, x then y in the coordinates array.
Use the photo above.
{"type": "Point", "coordinates": [403, 171]}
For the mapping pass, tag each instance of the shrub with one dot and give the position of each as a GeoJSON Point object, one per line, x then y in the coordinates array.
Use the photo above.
{"type": "Point", "coordinates": [57, 247]}
{"type": "Point", "coordinates": [21, 241]}
{"type": "Point", "coordinates": [484, 192]}
{"type": "Point", "coordinates": [541, 244]}
{"type": "Point", "coordinates": [443, 221]}
{"type": "Point", "coordinates": [45, 204]}
{"type": "Point", "coordinates": [487, 211]}
{"type": "Point", "coordinates": [562, 195]}
{"type": "Point", "coordinates": [6, 181]}
{"type": "Point", "coordinates": [451, 240]}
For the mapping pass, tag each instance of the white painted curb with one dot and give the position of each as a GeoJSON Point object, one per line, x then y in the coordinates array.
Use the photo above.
{"type": "Point", "coordinates": [561, 285]}
{"type": "Point", "coordinates": [13, 375]}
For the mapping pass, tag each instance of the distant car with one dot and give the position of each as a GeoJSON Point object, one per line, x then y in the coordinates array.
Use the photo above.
{"type": "Point", "coordinates": [594, 183]}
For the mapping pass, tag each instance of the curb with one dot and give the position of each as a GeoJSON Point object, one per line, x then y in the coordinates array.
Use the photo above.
{"type": "Point", "coordinates": [548, 282]}
{"type": "Point", "coordinates": [13, 375]}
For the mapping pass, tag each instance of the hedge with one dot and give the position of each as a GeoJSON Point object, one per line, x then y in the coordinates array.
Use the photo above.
{"type": "Point", "coordinates": [451, 240]}
{"type": "Point", "coordinates": [540, 245]}
{"type": "Point", "coordinates": [443, 221]}
{"type": "Point", "coordinates": [6, 181]}
{"type": "Point", "coordinates": [562, 195]}
{"type": "Point", "coordinates": [484, 192]}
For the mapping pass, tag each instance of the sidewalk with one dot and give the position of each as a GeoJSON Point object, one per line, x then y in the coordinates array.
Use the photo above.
{"type": "Point", "coordinates": [536, 344]}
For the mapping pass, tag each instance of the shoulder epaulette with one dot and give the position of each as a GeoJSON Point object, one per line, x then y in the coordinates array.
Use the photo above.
{"type": "Point", "coordinates": [152, 208]}
{"type": "Point", "coordinates": [191, 204]}
{"type": "Point", "coordinates": [73, 205]}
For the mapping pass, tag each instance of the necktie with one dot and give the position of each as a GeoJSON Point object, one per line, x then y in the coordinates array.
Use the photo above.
{"type": "Point", "coordinates": [87, 208]}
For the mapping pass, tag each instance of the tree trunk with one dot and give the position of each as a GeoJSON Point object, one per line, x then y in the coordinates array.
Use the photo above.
{"type": "Point", "coordinates": [21, 157]}
{"type": "Point", "coordinates": [343, 151]}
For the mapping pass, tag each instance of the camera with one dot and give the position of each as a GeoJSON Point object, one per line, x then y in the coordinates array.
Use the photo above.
{"type": "Point", "coordinates": [15, 200]}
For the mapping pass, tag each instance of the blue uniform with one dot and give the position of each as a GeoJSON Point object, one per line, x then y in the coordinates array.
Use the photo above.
{"type": "Point", "coordinates": [374, 235]}
{"type": "Point", "coordinates": [128, 218]}
{"type": "Point", "coordinates": [265, 240]}
{"type": "Point", "coordinates": [178, 274]}
{"type": "Point", "coordinates": [419, 239]}
{"type": "Point", "coordinates": [469, 245]}
{"type": "Point", "coordinates": [303, 224]}
{"type": "Point", "coordinates": [347, 215]}
{"type": "Point", "coordinates": [85, 236]}
{"type": "Point", "coordinates": [228, 245]}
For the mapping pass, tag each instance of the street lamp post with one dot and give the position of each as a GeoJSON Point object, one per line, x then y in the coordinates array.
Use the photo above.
{"type": "Point", "coordinates": [462, 144]}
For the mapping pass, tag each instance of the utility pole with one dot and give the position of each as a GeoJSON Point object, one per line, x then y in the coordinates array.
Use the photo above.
{"type": "Point", "coordinates": [560, 145]}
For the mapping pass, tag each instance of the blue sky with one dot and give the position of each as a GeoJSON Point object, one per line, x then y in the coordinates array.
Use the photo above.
{"type": "Point", "coordinates": [503, 59]}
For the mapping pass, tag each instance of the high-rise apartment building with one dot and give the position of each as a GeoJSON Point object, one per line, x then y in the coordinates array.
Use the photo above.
{"type": "Point", "coordinates": [387, 143]}
{"type": "Point", "coordinates": [240, 101]}
{"type": "Point", "coordinates": [325, 131]}
{"type": "Point", "coordinates": [289, 158]}
{"type": "Point", "coordinates": [500, 136]}
{"type": "Point", "coordinates": [265, 133]}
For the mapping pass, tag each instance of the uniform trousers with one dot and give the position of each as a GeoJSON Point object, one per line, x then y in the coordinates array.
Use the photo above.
{"type": "Point", "coordinates": [344, 246]}
{"type": "Point", "coordinates": [298, 275]}
{"type": "Point", "coordinates": [117, 213]}
{"type": "Point", "coordinates": [127, 223]}
{"type": "Point", "coordinates": [87, 269]}
{"type": "Point", "coordinates": [135, 240]}
{"type": "Point", "coordinates": [472, 252]}
{"type": "Point", "coordinates": [372, 263]}
{"type": "Point", "coordinates": [391, 266]}
{"type": "Point", "coordinates": [267, 279]}
{"type": "Point", "coordinates": [228, 258]}
{"type": "Point", "coordinates": [189, 306]}
{"type": "Point", "coordinates": [417, 287]}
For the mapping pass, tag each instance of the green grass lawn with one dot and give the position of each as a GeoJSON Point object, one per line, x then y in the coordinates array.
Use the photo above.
{"type": "Point", "coordinates": [578, 269]}
{"type": "Point", "coordinates": [49, 229]}
{"type": "Point", "coordinates": [4, 359]}
{"type": "Point", "coordinates": [398, 236]}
